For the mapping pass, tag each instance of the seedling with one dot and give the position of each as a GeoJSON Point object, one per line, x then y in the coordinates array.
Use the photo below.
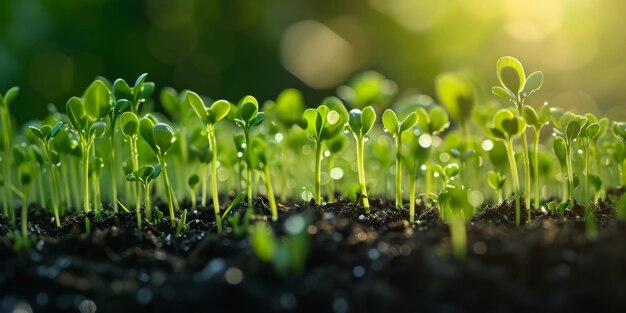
{"type": "Point", "coordinates": [396, 128]}
{"type": "Point", "coordinates": [145, 175]}
{"type": "Point", "coordinates": [260, 155]}
{"type": "Point", "coordinates": [505, 127]}
{"type": "Point", "coordinates": [248, 116]}
{"type": "Point", "coordinates": [45, 134]}
{"type": "Point", "coordinates": [192, 183]}
{"type": "Point", "coordinates": [334, 146]}
{"type": "Point", "coordinates": [568, 127]}
{"type": "Point", "coordinates": [160, 138]}
{"type": "Point", "coordinates": [322, 124]}
{"type": "Point", "coordinates": [619, 130]}
{"type": "Point", "coordinates": [136, 95]}
{"type": "Point", "coordinates": [496, 181]}
{"type": "Point", "coordinates": [516, 87]}
{"type": "Point", "coordinates": [129, 126]}
{"type": "Point", "coordinates": [536, 121]}
{"type": "Point", "coordinates": [26, 175]}
{"type": "Point", "coordinates": [5, 101]}
{"type": "Point", "coordinates": [120, 107]}
{"type": "Point", "coordinates": [84, 115]}
{"type": "Point", "coordinates": [454, 201]}
{"type": "Point", "coordinates": [360, 123]}
{"type": "Point", "coordinates": [209, 116]}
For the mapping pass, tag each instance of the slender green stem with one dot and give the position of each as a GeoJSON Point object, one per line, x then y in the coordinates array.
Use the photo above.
{"type": "Point", "coordinates": [6, 162]}
{"type": "Point", "coordinates": [515, 177]}
{"type": "Point", "coordinates": [359, 155]}
{"type": "Point", "coordinates": [24, 220]}
{"type": "Point", "coordinates": [86, 150]}
{"type": "Point", "coordinates": [318, 172]}
{"type": "Point", "coordinates": [570, 171]}
{"type": "Point", "coordinates": [536, 167]}
{"type": "Point", "coordinates": [246, 133]}
{"type": "Point", "coordinates": [590, 219]}
{"type": "Point", "coordinates": [216, 202]}
{"type": "Point", "coordinates": [526, 160]}
{"type": "Point", "coordinates": [398, 171]}
{"type": "Point", "coordinates": [53, 177]}
{"type": "Point", "coordinates": [66, 186]}
{"type": "Point", "coordinates": [331, 181]}
{"type": "Point", "coordinates": [429, 177]}
{"type": "Point", "coordinates": [112, 164]}
{"type": "Point", "coordinates": [270, 192]}
{"type": "Point", "coordinates": [284, 173]}
{"type": "Point", "coordinates": [148, 203]}
{"type": "Point", "coordinates": [168, 190]}
{"type": "Point", "coordinates": [412, 193]}
{"type": "Point", "coordinates": [135, 159]}
{"type": "Point", "coordinates": [458, 236]}
{"type": "Point", "coordinates": [40, 190]}
{"type": "Point", "coordinates": [204, 170]}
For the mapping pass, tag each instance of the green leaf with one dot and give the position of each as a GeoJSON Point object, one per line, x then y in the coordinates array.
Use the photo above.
{"type": "Point", "coordinates": [218, 111]}
{"type": "Point", "coordinates": [531, 117]}
{"type": "Point", "coordinates": [559, 148]}
{"type": "Point", "coordinates": [573, 130]}
{"type": "Point", "coordinates": [408, 122]}
{"type": "Point", "coordinates": [146, 125]}
{"type": "Point", "coordinates": [121, 90]}
{"type": "Point", "coordinates": [248, 111]}
{"type": "Point", "coordinates": [354, 121]}
{"type": "Point", "coordinates": [390, 122]}
{"type": "Point", "coordinates": [198, 106]}
{"type": "Point", "coordinates": [97, 100]}
{"type": "Point", "coordinates": [452, 170]}
{"type": "Point", "coordinates": [193, 181]}
{"type": "Point", "coordinates": [619, 129]}
{"type": "Point", "coordinates": [456, 96]}
{"type": "Point", "coordinates": [98, 129]}
{"type": "Point", "coordinates": [367, 119]}
{"type": "Point", "coordinates": [26, 174]}
{"type": "Point", "coordinates": [534, 81]}
{"type": "Point", "coordinates": [129, 124]}
{"type": "Point", "coordinates": [74, 108]}
{"type": "Point", "coordinates": [54, 131]}
{"type": "Point", "coordinates": [35, 131]}
{"type": "Point", "coordinates": [145, 91]}
{"type": "Point", "coordinates": [493, 181]}
{"type": "Point", "coordinates": [593, 130]}
{"type": "Point", "coordinates": [10, 95]}
{"type": "Point", "coordinates": [438, 119]}
{"type": "Point", "coordinates": [163, 136]}
{"type": "Point", "coordinates": [501, 92]}
{"type": "Point", "coordinates": [511, 74]}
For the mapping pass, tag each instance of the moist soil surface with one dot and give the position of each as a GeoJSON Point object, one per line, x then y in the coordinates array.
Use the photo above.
{"type": "Point", "coordinates": [357, 263]}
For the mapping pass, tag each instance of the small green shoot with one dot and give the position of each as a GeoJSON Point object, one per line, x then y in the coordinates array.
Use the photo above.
{"type": "Point", "coordinates": [396, 128]}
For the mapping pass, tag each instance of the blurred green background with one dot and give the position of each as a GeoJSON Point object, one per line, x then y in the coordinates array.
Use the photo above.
{"type": "Point", "coordinates": [52, 49]}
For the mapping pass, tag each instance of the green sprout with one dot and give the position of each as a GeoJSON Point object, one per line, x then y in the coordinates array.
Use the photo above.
{"type": "Point", "coordinates": [145, 175]}
{"type": "Point", "coordinates": [248, 116]}
{"type": "Point", "coordinates": [45, 134]}
{"type": "Point", "coordinates": [84, 115]}
{"type": "Point", "coordinates": [516, 87]}
{"type": "Point", "coordinates": [536, 121]}
{"type": "Point", "coordinates": [505, 127]}
{"type": "Point", "coordinates": [260, 156]}
{"type": "Point", "coordinates": [619, 130]}
{"type": "Point", "coordinates": [496, 181]}
{"type": "Point", "coordinates": [5, 101]}
{"type": "Point", "coordinates": [322, 124]}
{"type": "Point", "coordinates": [129, 126]}
{"type": "Point", "coordinates": [360, 123]}
{"type": "Point", "coordinates": [210, 116]}
{"type": "Point", "coordinates": [430, 123]}
{"type": "Point", "coordinates": [160, 138]}
{"type": "Point", "coordinates": [192, 183]}
{"type": "Point", "coordinates": [334, 146]}
{"type": "Point", "coordinates": [26, 175]}
{"type": "Point", "coordinates": [454, 200]}
{"type": "Point", "coordinates": [396, 128]}
{"type": "Point", "coordinates": [569, 127]}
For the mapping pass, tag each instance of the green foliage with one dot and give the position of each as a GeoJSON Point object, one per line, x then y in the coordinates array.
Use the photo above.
{"type": "Point", "coordinates": [457, 96]}
{"type": "Point", "coordinates": [368, 88]}
{"type": "Point", "coordinates": [361, 122]}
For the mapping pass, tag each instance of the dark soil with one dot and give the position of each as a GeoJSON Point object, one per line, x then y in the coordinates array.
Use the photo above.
{"type": "Point", "coordinates": [357, 263]}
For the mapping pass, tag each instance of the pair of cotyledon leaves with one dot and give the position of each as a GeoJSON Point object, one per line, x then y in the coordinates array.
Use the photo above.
{"type": "Point", "coordinates": [516, 86]}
